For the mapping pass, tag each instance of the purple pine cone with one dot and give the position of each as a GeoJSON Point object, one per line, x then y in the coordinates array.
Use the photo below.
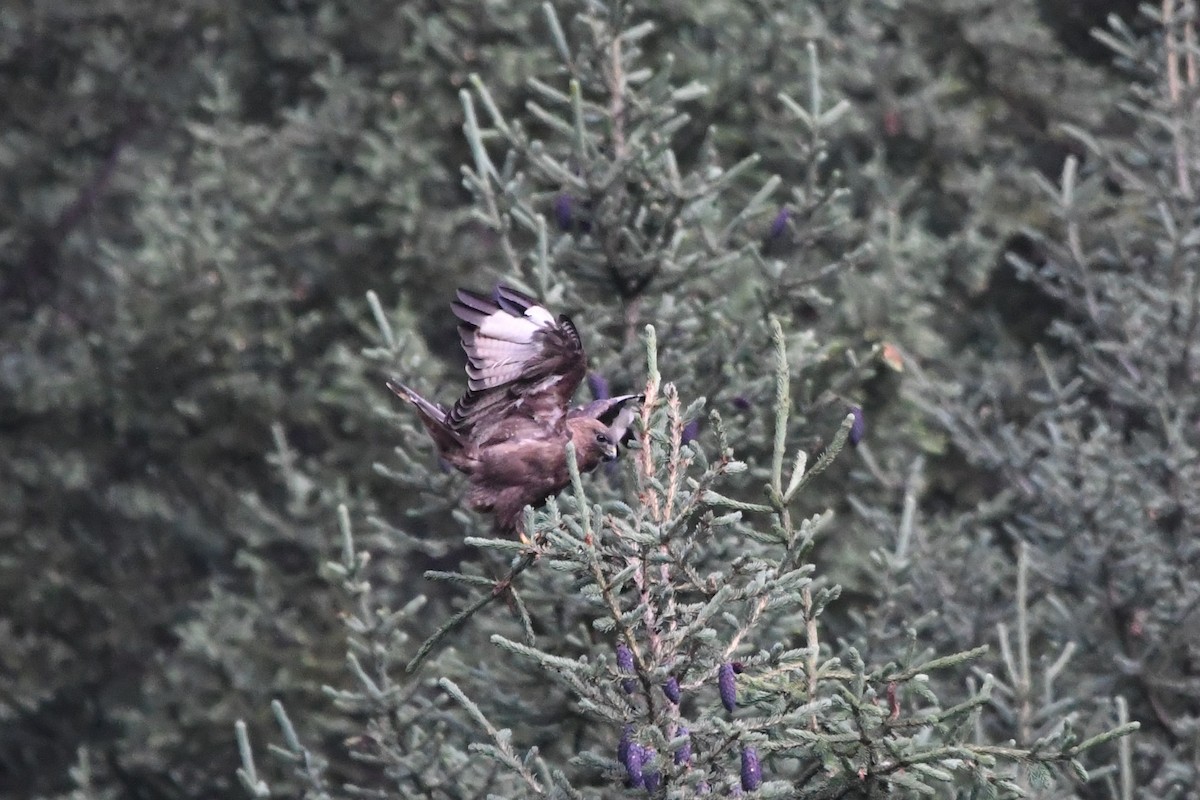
{"type": "Point", "coordinates": [564, 206]}
{"type": "Point", "coordinates": [727, 685]}
{"type": "Point", "coordinates": [624, 658]}
{"type": "Point", "coordinates": [599, 386]}
{"type": "Point", "coordinates": [684, 754]}
{"type": "Point", "coordinates": [690, 431]}
{"type": "Point", "coordinates": [571, 214]}
{"type": "Point", "coordinates": [623, 743]}
{"type": "Point", "coordinates": [625, 664]}
{"type": "Point", "coordinates": [751, 769]}
{"type": "Point", "coordinates": [780, 224]}
{"type": "Point", "coordinates": [634, 758]}
{"type": "Point", "coordinates": [741, 402]}
{"type": "Point", "coordinates": [651, 778]}
{"type": "Point", "coordinates": [859, 426]}
{"type": "Point", "coordinates": [779, 237]}
{"type": "Point", "coordinates": [671, 689]}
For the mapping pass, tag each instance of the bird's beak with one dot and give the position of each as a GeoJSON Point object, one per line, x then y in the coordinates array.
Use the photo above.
{"type": "Point", "coordinates": [610, 452]}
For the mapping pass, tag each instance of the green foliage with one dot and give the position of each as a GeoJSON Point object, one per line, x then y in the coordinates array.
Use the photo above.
{"type": "Point", "coordinates": [198, 198]}
{"type": "Point", "coordinates": [1093, 432]}
{"type": "Point", "coordinates": [670, 576]}
{"type": "Point", "coordinates": [675, 586]}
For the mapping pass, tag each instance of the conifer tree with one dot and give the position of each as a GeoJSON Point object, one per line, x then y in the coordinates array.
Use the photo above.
{"type": "Point", "coordinates": [1091, 437]}
{"type": "Point", "coordinates": [662, 633]}
{"type": "Point", "coordinates": [190, 195]}
{"type": "Point", "coordinates": [197, 197]}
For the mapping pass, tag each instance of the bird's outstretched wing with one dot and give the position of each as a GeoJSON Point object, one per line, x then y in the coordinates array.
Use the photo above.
{"type": "Point", "coordinates": [523, 364]}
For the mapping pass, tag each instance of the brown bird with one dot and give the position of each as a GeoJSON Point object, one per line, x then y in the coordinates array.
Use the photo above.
{"type": "Point", "coordinates": [509, 432]}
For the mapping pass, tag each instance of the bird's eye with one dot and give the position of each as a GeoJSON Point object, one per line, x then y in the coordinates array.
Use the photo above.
{"type": "Point", "coordinates": [602, 438]}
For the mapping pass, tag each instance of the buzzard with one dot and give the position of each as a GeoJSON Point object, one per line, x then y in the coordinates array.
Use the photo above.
{"type": "Point", "coordinates": [509, 432]}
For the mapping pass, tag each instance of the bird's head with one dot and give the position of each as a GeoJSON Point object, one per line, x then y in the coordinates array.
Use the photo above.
{"type": "Point", "coordinates": [594, 442]}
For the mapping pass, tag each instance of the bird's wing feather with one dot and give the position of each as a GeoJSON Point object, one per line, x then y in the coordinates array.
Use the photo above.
{"type": "Point", "coordinates": [617, 413]}
{"type": "Point", "coordinates": [522, 362]}
{"type": "Point", "coordinates": [451, 445]}
{"type": "Point", "coordinates": [605, 409]}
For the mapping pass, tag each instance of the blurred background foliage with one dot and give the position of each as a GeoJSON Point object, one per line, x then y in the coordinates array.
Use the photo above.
{"type": "Point", "coordinates": [197, 197]}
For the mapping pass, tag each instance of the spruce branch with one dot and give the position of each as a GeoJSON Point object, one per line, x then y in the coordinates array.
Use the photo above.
{"type": "Point", "coordinates": [305, 765]}
{"type": "Point", "coordinates": [459, 619]}
{"type": "Point", "coordinates": [248, 772]}
{"type": "Point", "coordinates": [502, 751]}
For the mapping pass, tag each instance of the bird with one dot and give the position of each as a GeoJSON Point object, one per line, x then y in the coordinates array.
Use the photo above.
{"type": "Point", "coordinates": [508, 432]}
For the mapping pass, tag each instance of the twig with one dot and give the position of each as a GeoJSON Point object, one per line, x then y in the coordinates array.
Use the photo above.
{"type": "Point", "coordinates": [457, 621]}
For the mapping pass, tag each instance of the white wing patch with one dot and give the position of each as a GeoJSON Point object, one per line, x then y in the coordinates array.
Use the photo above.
{"type": "Point", "coordinates": [504, 326]}
{"type": "Point", "coordinates": [502, 344]}
{"type": "Point", "coordinates": [541, 316]}
{"type": "Point", "coordinates": [621, 424]}
{"type": "Point", "coordinates": [523, 362]}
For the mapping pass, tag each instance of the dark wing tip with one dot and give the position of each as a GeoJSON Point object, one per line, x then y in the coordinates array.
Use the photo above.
{"type": "Point", "coordinates": [475, 299]}
{"type": "Point", "coordinates": [568, 327]}
{"type": "Point", "coordinates": [472, 307]}
{"type": "Point", "coordinates": [512, 301]}
{"type": "Point", "coordinates": [606, 410]}
{"type": "Point", "coordinates": [618, 405]}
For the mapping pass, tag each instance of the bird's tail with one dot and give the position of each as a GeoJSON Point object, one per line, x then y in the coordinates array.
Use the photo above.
{"type": "Point", "coordinates": [449, 443]}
